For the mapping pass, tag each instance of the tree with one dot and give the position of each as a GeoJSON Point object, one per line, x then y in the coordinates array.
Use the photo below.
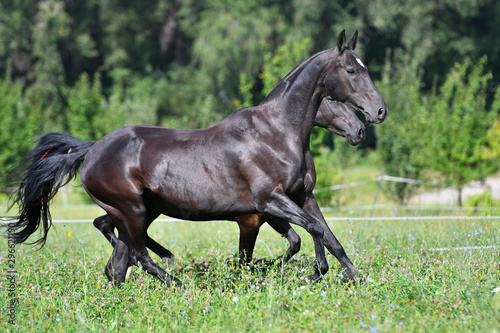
{"type": "Point", "coordinates": [227, 41]}
{"type": "Point", "coordinates": [19, 122]}
{"type": "Point", "coordinates": [90, 116]}
{"type": "Point", "coordinates": [460, 123]}
{"type": "Point", "coordinates": [401, 138]}
{"type": "Point", "coordinates": [51, 28]}
{"type": "Point", "coordinates": [435, 34]}
{"type": "Point", "coordinates": [16, 38]}
{"type": "Point", "coordinates": [183, 63]}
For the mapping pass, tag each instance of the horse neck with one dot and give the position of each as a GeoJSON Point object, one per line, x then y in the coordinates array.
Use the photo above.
{"type": "Point", "coordinates": [297, 97]}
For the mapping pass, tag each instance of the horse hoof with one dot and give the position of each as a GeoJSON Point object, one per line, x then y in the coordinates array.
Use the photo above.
{"type": "Point", "coordinates": [169, 261]}
{"type": "Point", "coordinates": [313, 278]}
{"type": "Point", "coordinates": [261, 262]}
{"type": "Point", "coordinates": [175, 282]}
{"type": "Point", "coordinates": [119, 285]}
{"type": "Point", "coordinates": [358, 281]}
{"type": "Point", "coordinates": [278, 262]}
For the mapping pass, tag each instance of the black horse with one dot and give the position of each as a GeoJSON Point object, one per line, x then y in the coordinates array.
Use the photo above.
{"type": "Point", "coordinates": [335, 117]}
{"type": "Point", "coordinates": [254, 161]}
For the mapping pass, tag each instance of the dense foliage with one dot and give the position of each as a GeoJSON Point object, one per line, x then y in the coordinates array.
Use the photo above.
{"type": "Point", "coordinates": [88, 67]}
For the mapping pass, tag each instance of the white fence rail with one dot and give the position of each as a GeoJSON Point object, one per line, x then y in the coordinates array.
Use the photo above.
{"type": "Point", "coordinates": [343, 218]}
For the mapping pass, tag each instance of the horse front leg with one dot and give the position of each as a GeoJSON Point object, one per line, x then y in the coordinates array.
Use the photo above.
{"type": "Point", "coordinates": [285, 229]}
{"type": "Point", "coordinates": [331, 242]}
{"type": "Point", "coordinates": [279, 205]}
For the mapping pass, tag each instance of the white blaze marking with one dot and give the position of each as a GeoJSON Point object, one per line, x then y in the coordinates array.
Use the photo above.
{"type": "Point", "coordinates": [360, 62]}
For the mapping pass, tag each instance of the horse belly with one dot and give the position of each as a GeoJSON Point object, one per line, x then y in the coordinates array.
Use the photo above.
{"type": "Point", "coordinates": [204, 207]}
{"type": "Point", "coordinates": [196, 195]}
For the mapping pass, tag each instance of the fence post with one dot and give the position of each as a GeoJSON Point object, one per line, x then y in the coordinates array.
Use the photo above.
{"type": "Point", "coordinates": [376, 194]}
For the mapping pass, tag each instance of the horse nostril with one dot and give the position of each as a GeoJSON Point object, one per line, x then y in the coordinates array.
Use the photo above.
{"type": "Point", "coordinates": [361, 133]}
{"type": "Point", "coordinates": [382, 113]}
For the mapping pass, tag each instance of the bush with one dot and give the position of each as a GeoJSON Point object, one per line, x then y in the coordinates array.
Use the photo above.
{"type": "Point", "coordinates": [486, 201]}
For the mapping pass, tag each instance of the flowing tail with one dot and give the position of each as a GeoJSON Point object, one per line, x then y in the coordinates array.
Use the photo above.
{"type": "Point", "coordinates": [49, 166]}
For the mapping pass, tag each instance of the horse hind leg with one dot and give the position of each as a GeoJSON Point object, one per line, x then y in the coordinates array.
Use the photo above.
{"type": "Point", "coordinates": [106, 227]}
{"type": "Point", "coordinates": [116, 269]}
{"type": "Point", "coordinates": [136, 225]}
{"type": "Point", "coordinates": [249, 230]}
{"type": "Point", "coordinates": [166, 256]}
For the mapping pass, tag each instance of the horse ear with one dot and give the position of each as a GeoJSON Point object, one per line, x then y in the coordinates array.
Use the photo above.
{"type": "Point", "coordinates": [341, 41]}
{"type": "Point", "coordinates": [354, 40]}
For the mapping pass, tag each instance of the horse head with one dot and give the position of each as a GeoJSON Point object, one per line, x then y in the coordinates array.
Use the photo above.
{"type": "Point", "coordinates": [348, 81]}
{"type": "Point", "coordinates": [339, 119]}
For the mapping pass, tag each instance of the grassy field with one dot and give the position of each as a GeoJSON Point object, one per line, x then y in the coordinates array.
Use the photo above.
{"type": "Point", "coordinates": [409, 283]}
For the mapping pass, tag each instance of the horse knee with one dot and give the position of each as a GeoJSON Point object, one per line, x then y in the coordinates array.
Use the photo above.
{"type": "Point", "coordinates": [315, 230]}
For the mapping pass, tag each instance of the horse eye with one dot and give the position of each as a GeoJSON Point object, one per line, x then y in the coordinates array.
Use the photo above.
{"type": "Point", "coordinates": [350, 71]}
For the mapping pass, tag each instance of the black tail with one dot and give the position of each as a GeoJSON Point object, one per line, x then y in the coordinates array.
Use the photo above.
{"type": "Point", "coordinates": [48, 167]}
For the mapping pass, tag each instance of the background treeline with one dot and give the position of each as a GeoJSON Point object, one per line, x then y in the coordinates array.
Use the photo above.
{"type": "Point", "coordinates": [89, 67]}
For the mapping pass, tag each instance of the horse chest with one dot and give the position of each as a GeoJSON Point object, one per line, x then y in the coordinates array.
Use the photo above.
{"type": "Point", "coordinates": [304, 179]}
{"type": "Point", "coordinates": [305, 182]}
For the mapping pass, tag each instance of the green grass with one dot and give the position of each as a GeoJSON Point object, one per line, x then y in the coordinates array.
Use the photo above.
{"type": "Point", "coordinates": [407, 287]}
